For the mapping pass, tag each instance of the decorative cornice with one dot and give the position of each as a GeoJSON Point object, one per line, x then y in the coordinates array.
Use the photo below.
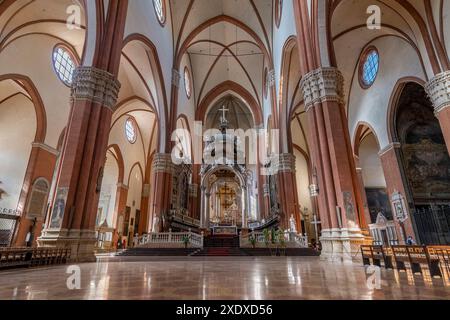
{"type": "Point", "coordinates": [321, 85]}
{"type": "Point", "coordinates": [162, 162]}
{"type": "Point", "coordinates": [122, 186]}
{"type": "Point", "coordinates": [45, 147]}
{"type": "Point", "coordinates": [389, 147]}
{"type": "Point", "coordinates": [95, 85]}
{"type": "Point", "coordinates": [284, 162]}
{"type": "Point", "coordinates": [438, 90]}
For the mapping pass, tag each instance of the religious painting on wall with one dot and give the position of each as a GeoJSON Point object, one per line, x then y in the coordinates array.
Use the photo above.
{"type": "Point", "coordinates": [378, 202]}
{"type": "Point", "coordinates": [350, 210]}
{"type": "Point", "coordinates": [126, 221]}
{"type": "Point", "coordinates": [58, 209]}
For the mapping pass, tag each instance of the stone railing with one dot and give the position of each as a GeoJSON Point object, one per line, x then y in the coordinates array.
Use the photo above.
{"type": "Point", "coordinates": [291, 240]}
{"type": "Point", "coordinates": [170, 240]}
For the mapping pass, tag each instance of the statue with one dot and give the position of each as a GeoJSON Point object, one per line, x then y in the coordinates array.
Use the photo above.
{"type": "Point", "coordinates": [293, 225]}
{"type": "Point", "coordinates": [155, 227]}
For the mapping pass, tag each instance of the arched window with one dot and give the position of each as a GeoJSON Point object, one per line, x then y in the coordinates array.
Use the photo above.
{"type": "Point", "coordinates": [187, 83]}
{"type": "Point", "coordinates": [130, 130]}
{"type": "Point", "coordinates": [160, 10]}
{"type": "Point", "coordinates": [278, 12]}
{"type": "Point", "coordinates": [63, 64]}
{"type": "Point", "coordinates": [369, 67]}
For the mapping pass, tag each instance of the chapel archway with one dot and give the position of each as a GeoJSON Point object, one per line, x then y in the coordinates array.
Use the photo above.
{"type": "Point", "coordinates": [425, 162]}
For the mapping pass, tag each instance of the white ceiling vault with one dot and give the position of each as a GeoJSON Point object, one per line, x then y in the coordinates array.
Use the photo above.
{"type": "Point", "coordinates": [224, 40]}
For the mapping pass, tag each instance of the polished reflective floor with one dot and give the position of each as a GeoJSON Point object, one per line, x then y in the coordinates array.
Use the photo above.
{"type": "Point", "coordinates": [217, 278]}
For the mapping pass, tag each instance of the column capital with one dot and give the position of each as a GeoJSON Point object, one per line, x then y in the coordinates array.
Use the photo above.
{"type": "Point", "coordinates": [162, 163]}
{"type": "Point", "coordinates": [95, 85]}
{"type": "Point", "coordinates": [321, 85]}
{"type": "Point", "coordinates": [438, 89]}
{"type": "Point", "coordinates": [285, 162]}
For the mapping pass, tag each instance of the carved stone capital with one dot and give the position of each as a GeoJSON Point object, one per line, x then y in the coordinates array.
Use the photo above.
{"type": "Point", "coordinates": [162, 163]}
{"type": "Point", "coordinates": [321, 85]}
{"type": "Point", "coordinates": [95, 85]}
{"type": "Point", "coordinates": [438, 90]}
{"type": "Point", "coordinates": [284, 162]}
{"type": "Point", "coordinates": [270, 79]}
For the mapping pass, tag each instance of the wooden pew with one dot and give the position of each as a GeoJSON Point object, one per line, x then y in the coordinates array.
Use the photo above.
{"type": "Point", "coordinates": [442, 255]}
{"type": "Point", "coordinates": [416, 257]}
{"type": "Point", "coordinates": [32, 257]}
{"type": "Point", "coordinates": [377, 255]}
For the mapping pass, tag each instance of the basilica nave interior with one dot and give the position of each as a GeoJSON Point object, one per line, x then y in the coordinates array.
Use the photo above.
{"type": "Point", "coordinates": [99, 98]}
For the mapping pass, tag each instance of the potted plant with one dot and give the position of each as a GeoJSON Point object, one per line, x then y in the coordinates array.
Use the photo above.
{"type": "Point", "coordinates": [186, 240]}
{"type": "Point", "coordinates": [252, 240]}
{"type": "Point", "coordinates": [267, 237]}
{"type": "Point", "coordinates": [281, 241]}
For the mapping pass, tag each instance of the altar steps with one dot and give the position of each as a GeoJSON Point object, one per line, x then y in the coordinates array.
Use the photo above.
{"type": "Point", "coordinates": [156, 252]}
{"type": "Point", "coordinates": [288, 252]}
{"type": "Point", "coordinates": [220, 252]}
{"type": "Point", "coordinates": [221, 242]}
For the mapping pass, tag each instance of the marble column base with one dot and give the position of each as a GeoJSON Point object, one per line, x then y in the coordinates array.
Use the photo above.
{"type": "Point", "coordinates": [81, 242]}
{"type": "Point", "coordinates": [341, 245]}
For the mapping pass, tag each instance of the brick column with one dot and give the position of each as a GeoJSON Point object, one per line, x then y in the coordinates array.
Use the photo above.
{"type": "Point", "coordinates": [390, 160]}
{"type": "Point", "coordinates": [72, 220]}
{"type": "Point", "coordinates": [438, 90]}
{"type": "Point", "coordinates": [119, 210]}
{"type": "Point", "coordinates": [340, 202]}
{"type": "Point", "coordinates": [161, 194]}
{"type": "Point", "coordinates": [367, 219]}
{"type": "Point", "coordinates": [288, 195]}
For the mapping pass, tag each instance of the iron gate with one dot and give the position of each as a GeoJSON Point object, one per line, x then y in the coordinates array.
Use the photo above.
{"type": "Point", "coordinates": [8, 223]}
{"type": "Point", "coordinates": [433, 224]}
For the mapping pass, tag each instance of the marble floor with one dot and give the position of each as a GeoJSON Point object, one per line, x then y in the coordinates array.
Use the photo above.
{"type": "Point", "coordinates": [216, 278]}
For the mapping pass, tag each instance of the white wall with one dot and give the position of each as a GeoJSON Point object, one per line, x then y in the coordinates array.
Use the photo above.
{"type": "Point", "coordinates": [17, 131]}
{"type": "Point", "coordinates": [302, 177]}
{"type": "Point", "coordinates": [370, 163]}
{"type": "Point", "coordinates": [109, 190]}
{"type": "Point", "coordinates": [397, 60]}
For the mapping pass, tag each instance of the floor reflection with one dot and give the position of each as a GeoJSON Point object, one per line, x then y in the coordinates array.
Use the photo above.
{"type": "Point", "coordinates": [219, 278]}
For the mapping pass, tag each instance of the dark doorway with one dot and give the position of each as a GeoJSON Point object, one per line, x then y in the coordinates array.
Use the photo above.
{"type": "Point", "coordinates": [426, 165]}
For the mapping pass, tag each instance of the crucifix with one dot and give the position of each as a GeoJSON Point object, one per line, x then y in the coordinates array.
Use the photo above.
{"type": "Point", "coordinates": [316, 222]}
{"type": "Point", "coordinates": [224, 113]}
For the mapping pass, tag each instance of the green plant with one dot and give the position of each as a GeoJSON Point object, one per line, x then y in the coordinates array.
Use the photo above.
{"type": "Point", "coordinates": [274, 236]}
{"type": "Point", "coordinates": [186, 240]}
{"type": "Point", "coordinates": [252, 240]}
{"type": "Point", "coordinates": [266, 234]}
{"type": "Point", "coordinates": [281, 241]}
